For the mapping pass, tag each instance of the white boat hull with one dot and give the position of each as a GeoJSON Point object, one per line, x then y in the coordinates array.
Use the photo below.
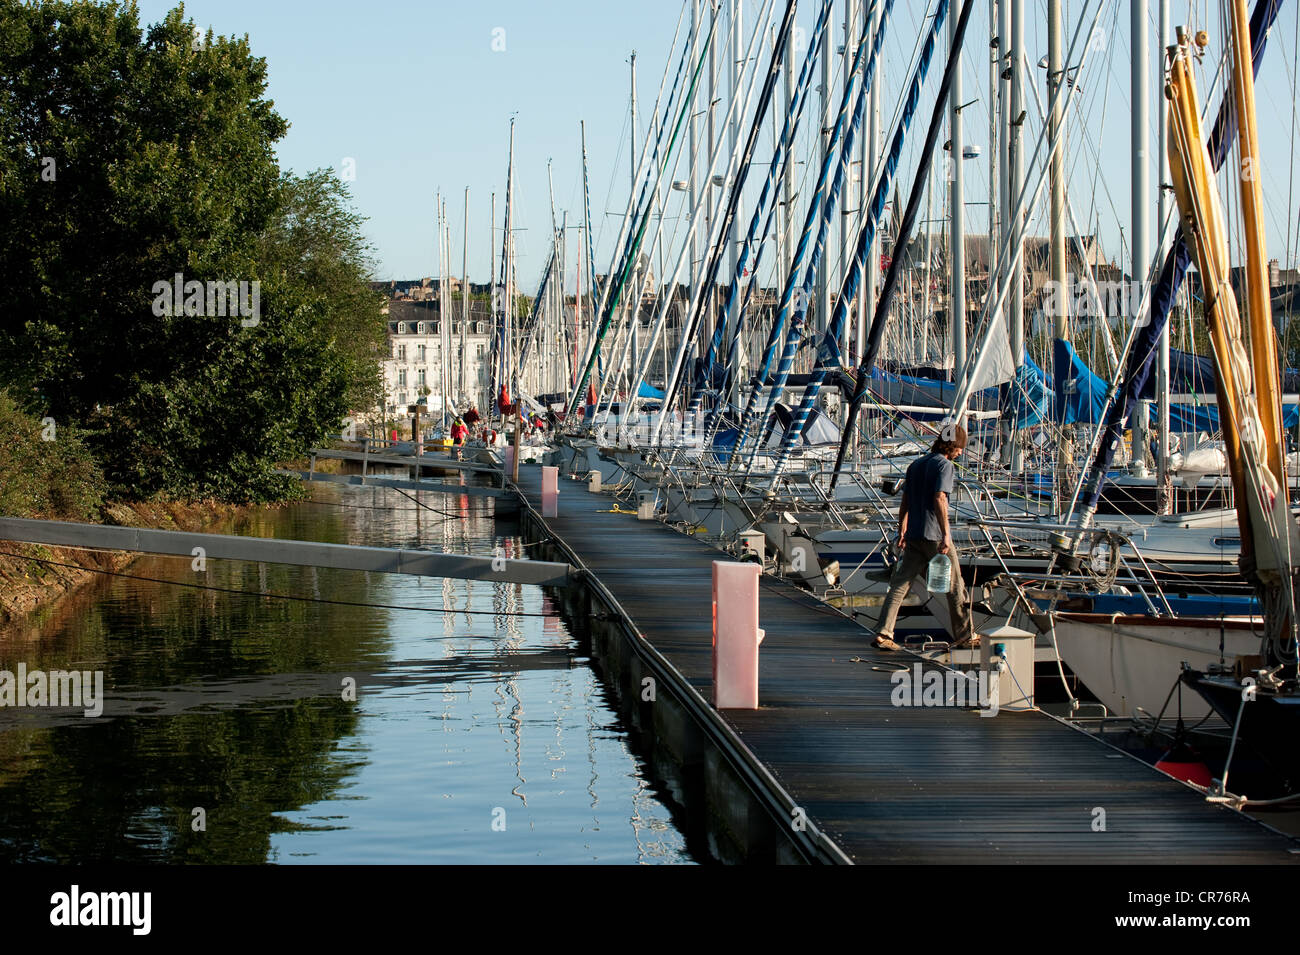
{"type": "Point", "coordinates": [1133, 661]}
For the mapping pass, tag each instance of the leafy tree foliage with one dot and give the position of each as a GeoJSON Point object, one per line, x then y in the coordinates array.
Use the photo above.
{"type": "Point", "coordinates": [131, 154]}
{"type": "Point", "coordinates": [45, 472]}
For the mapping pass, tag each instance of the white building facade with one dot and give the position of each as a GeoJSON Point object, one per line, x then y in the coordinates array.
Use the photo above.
{"type": "Point", "coordinates": [420, 352]}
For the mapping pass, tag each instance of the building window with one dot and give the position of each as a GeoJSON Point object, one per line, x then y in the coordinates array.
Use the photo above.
{"type": "Point", "coordinates": [479, 349]}
{"type": "Point", "coordinates": [478, 328]}
{"type": "Point", "coordinates": [422, 328]}
{"type": "Point", "coordinates": [420, 377]}
{"type": "Point", "coordinates": [401, 377]}
{"type": "Point", "coordinates": [433, 328]}
{"type": "Point", "coordinates": [401, 397]}
{"type": "Point", "coordinates": [401, 353]}
{"type": "Point", "coordinates": [419, 353]}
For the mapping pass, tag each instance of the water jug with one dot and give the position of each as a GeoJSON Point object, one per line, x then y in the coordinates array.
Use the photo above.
{"type": "Point", "coordinates": [938, 576]}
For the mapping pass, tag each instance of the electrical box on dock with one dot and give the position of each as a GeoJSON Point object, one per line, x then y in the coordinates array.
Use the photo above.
{"type": "Point", "coordinates": [1016, 681]}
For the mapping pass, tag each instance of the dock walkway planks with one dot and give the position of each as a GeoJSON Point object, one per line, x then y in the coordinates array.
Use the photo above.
{"type": "Point", "coordinates": [898, 784]}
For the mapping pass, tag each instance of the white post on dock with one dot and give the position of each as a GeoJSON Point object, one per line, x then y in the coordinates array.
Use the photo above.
{"type": "Point", "coordinates": [550, 492]}
{"type": "Point", "coordinates": [736, 635]}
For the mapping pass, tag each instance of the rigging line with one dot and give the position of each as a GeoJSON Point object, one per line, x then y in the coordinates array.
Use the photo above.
{"type": "Point", "coordinates": [752, 242]}
{"type": "Point", "coordinates": [879, 319]}
{"type": "Point", "coordinates": [644, 174]}
{"type": "Point", "coordinates": [757, 243]}
{"type": "Point", "coordinates": [724, 226]}
{"type": "Point", "coordinates": [624, 261]}
{"type": "Point", "coordinates": [713, 219]}
{"type": "Point", "coordinates": [1171, 267]}
{"type": "Point", "coordinates": [655, 204]}
{"type": "Point", "coordinates": [1087, 275]}
{"type": "Point", "coordinates": [1012, 249]}
{"type": "Point", "coordinates": [430, 507]}
{"type": "Point", "coordinates": [276, 596]}
{"type": "Point", "coordinates": [797, 292]}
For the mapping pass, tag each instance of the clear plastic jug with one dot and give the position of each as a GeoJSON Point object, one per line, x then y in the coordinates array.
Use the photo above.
{"type": "Point", "coordinates": [938, 576]}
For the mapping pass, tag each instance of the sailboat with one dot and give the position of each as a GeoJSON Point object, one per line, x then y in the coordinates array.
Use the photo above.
{"type": "Point", "coordinates": [1256, 693]}
{"type": "Point", "coordinates": [1130, 660]}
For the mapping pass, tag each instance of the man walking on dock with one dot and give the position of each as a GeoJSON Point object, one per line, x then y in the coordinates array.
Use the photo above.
{"type": "Point", "coordinates": [923, 532]}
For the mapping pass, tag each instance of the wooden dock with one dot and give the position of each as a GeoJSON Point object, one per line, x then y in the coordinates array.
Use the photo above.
{"type": "Point", "coordinates": [894, 784]}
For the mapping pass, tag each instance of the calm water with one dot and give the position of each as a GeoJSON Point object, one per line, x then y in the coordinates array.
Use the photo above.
{"type": "Point", "coordinates": [473, 737]}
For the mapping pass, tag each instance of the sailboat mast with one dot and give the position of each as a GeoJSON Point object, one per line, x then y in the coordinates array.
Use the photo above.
{"type": "Point", "coordinates": [822, 290]}
{"type": "Point", "coordinates": [508, 264]}
{"type": "Point", "coordinates": [464, 299]}
{"type": "Point", "coordinates": [1259, 315]}
{"type": "Point", "coordinates": [787, 176]}
{"type": "Point", "coordinates": [1056, 172]}
{"type": "Point", "coordinates": [1015, 222]}
{"type": "Point", "coordinates": [634, 300]}
{"type": "Point", "coordinates": [1141, 240]}
{"type": "Point", "coordinates": [1270, 538]}
{"type": "Point", "coordinates": [577, 307]}
{"type": "Point", "coordinates": [850, 203]}
{"type": "Point", "coordinates": [870, 155]}
{"type": "Point", "coordinates": [444, 318]}
{"type": "Point", "coordinates": [1003, 163]}
{"type": "Point", "coordinates": [996, 105]}
{"type": "Point", "coordinates": [957, 205]}
{"type": "Point", "coordinates": [442, 308]}
{"type": "Point", "coordinates": [692, 192]}
{"type": "Point", "coordinates": [732, 237]}
{"type": "Point", "coordinates": [1162, 354]}
{"type": "Point", "coordinates": [590, 256]}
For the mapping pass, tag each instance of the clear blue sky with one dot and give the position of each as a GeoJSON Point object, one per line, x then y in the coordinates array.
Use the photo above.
{"type": "Point", "coordinates": [414, 93]}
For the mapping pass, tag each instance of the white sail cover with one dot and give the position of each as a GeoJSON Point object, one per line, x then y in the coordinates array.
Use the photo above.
{"type": "Point", "coordinates": [999, 365]}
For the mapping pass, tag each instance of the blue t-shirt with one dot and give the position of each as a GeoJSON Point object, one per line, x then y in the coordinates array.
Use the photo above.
{"type": "Point", "coordinates": [926, 477]}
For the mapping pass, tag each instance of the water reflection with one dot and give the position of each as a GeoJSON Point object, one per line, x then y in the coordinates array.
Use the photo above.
{"type": "Point", "coordinates": [474, 736]}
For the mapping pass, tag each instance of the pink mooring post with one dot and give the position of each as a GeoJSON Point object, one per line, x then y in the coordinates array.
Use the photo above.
{"type": "Point", "coordinates": [736, 635]}
{"type": "Point", "coordinates": [550, 492]}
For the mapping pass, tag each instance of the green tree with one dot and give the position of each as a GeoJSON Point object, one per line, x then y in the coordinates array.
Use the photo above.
{"type": "Point", "coordinates": [133, 155]}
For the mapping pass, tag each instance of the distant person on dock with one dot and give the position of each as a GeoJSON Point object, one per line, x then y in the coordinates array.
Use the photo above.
{"type": "Point", "coordinates": [923, 532]}
{"type": "Point", "coordinates": [458, 433]}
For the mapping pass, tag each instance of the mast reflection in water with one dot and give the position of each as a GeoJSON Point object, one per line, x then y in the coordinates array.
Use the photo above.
{"type": "Point", "coordinates": [226, 736]}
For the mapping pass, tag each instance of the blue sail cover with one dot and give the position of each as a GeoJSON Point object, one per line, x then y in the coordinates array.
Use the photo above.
{"type": "Point", "coordinates": [1194, 374]}
{"type": "Point", "coordinates": [1206, 417]}
{"type": "Point", "coordinates": [1028, 400]}
{"type": "Point", "coordinates": [894, 389]}
{"type": "Point", "coordinates": [648, 391]}
{"type": "Point", "coordinates": [819, 431]}
{"type": "Point", "coordinates": [913, 391]}
{"type": "Point", "coordinates": [1080, 395]}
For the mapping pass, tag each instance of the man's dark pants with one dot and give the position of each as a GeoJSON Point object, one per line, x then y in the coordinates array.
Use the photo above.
{"type": "Point", "coordinates": [917, 554]}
